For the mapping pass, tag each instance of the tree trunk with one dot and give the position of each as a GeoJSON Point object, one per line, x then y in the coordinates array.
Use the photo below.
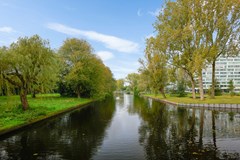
{"type": "Point", "coordinates": [78, 95]}
{"type": "Point", "coordinates": [34, 94]}
{"type": "Point", "coordinates": [162, 92]}
{"type": "Point", "coordinates": [193, 88]}
{"type": "Point", "coordinates": [213, 79]}
{"type": "Point", "coordinates": [200, 81]}
{"type": "Point", "coordinates": [78, 92]}
{"type": "Point", "coordinates": [23, 98]}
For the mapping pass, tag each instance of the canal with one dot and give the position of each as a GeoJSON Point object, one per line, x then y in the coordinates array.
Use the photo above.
{"type": "Point", "coordinates": [128, 127]}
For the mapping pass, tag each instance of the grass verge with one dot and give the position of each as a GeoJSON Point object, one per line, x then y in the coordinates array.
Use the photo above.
{"type": "Point", "coordinates": [12, 115]}
{"type": "Point", "coordinates": [224, 99]}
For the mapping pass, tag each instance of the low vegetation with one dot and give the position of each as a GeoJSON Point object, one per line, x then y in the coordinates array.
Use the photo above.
{"type": "Point", "coordinates": [39, 107]}
{"type": "Point", "coordinates": [224, 99]}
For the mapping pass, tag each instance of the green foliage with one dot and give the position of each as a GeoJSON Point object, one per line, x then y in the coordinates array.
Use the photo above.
{"type": "Point", "coordinates": [196, 33]}
{"type": "Point", "coordinates": [181, 88]}
{"type": "Point", "coordinates": [32, 67]}
{"type": "Point", "coordinates": [120, 84]}
{"type": "Point", "coordinates": [221, 29]}
{"type": "Point", "coordinates": [231, 87]}
{"type": "Point", "coordinates": [132, 80]}
{"type": "Point", "coordinates": [154, 66]}
{"type": "Point", "coordinates": [231, 115]}
{"type": "Point", "coordinates": [83, 74]}
{"type": "Point", "coordinates": [218, 91]}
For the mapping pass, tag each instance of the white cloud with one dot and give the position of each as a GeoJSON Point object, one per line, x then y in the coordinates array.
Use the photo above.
{"type": "Point", "coordinates": [156, 12]}
{"type": "Point", "coordinates": [6, 29]}
{"type": "Point", "coordinates": [139, 12]}
{"type": "Point", "coordinates": [105, 55]}
{"type": "Point", "coordinates": [110, 42]}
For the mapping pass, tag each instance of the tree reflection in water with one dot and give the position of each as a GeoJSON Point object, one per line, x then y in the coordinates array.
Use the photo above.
{"type": "Point", "coordinates": [77, 136]}
{"type": "Point", "coordinates": [168, 132]}
{"type": "Point", "coordinates": [156, 131]}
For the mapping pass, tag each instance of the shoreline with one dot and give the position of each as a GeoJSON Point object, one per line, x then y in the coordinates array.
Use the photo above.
{"type": "Point", "coordinates": [210, 106]}
{"type": "Point", "coordinates": [16, 128]}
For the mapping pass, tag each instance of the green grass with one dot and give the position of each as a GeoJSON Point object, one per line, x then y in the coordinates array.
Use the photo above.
{"type": "Point", "coordinates": [224, 99]}
{"type": "Point", "coordinates": [11, 114]}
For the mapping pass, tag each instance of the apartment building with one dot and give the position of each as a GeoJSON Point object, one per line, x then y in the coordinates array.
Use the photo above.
{"type": "Point", "coordinates": [227, 68]}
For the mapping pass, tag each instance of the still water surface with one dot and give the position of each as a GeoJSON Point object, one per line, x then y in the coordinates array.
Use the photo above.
{"type": "Point", "coordinates": [129, 128]}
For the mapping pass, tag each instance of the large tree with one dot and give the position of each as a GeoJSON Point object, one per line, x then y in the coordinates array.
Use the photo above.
{"type": "Point", "coordinates": [173, 26]}
{"type": "Point", "coordinates": [75, 53]}
{"type": "Point", "coordinates": [83, 74]}
{"type": "Point", "coordinates": [221, 22]}
{"type": "Point", "coordinates": [29, 64]}
{"type": "Point", "coordinates": [182, 24]}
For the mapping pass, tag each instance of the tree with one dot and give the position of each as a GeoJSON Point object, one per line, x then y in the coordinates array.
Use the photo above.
{"type": "Point", "coordinates": [83, 74]}
{"type": "Point", "coordinates": [181, 88]}
{"type": "Point", "coordinates": [75, 55]}
{"type": "Point", "coordinates": [173, 25]}
{"type": "Point", "coordinates": [155, 65]}
{"type": "Point", "coordinates": [32, 65]}
{"type": "Point", "coordinates": [120, 84]}
{"type": "Point", "coordinates": [231, 87]}
{"type": "Point", "coordinates": [132, 80]}
{"type": "Point", "coordinates": [182, 27]}
{"type": "Point", "coordinates": [221, 30]}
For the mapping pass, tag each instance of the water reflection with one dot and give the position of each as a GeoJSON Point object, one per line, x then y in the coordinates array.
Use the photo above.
{"type": "Point", "coordinates": [129, 127]}
{"type": "Point", "coordinates": [74, 136]}
{"type": "Point", "coordinates": [168, 132]}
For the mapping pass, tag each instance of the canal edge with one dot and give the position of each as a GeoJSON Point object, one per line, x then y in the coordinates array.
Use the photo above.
{"type": "Point", "coordinates": [38, 120]}
{"type": "Point", "coordinates": [198, 105]}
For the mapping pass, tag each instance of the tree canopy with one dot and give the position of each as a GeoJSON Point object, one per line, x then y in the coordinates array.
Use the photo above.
{"type": "Point", "coordinates": [28, 64]}
{"type": "Point", "coordinates": [83, 74]}
{"type": "Point", "coordinates": [190, 35]}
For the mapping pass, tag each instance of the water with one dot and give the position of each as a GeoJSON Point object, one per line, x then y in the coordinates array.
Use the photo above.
{"type": "Point", "coordinates": [128, 127]}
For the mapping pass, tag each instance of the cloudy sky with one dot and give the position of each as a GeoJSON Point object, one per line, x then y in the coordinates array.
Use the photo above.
{"type": "Point", "coordinates": [116, 29]}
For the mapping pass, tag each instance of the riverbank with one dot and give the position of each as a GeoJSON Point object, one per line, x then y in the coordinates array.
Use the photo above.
{"type": "Point", "coordinates": [224, 99]}
{"type": "Point", "coordinates": [220, 102]}
{"type": "Point", "coordinates": [44, 106]}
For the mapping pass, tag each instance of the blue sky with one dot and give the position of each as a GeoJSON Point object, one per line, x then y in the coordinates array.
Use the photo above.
{"type": "Point", "coordinates": [116, 29]}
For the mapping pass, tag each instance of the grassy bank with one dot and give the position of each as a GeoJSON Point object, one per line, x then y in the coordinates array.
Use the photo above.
{"type": "Point", "coordinates": [224, 99]}
{"type": "Point", "coordinates": [11, 113]}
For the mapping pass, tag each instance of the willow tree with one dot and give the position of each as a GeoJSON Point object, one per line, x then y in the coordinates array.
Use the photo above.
{"type": "Point", "coordinates": [221, 22]}
{"type": "Point", "coordinates": [28, 63]}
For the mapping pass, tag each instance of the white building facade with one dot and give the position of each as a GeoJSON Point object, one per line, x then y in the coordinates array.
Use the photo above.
{"type": "Point", "coordinates": [227, 68]}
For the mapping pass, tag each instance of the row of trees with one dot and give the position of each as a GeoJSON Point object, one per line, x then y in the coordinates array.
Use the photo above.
{"type": "Point", "coordinates": [190, 36]}
{"type": "Point", "coordinates": [31, 66]}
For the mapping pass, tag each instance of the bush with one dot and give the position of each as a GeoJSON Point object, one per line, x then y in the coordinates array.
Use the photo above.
{"type": "Point", "coordinates": [181, 88]}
